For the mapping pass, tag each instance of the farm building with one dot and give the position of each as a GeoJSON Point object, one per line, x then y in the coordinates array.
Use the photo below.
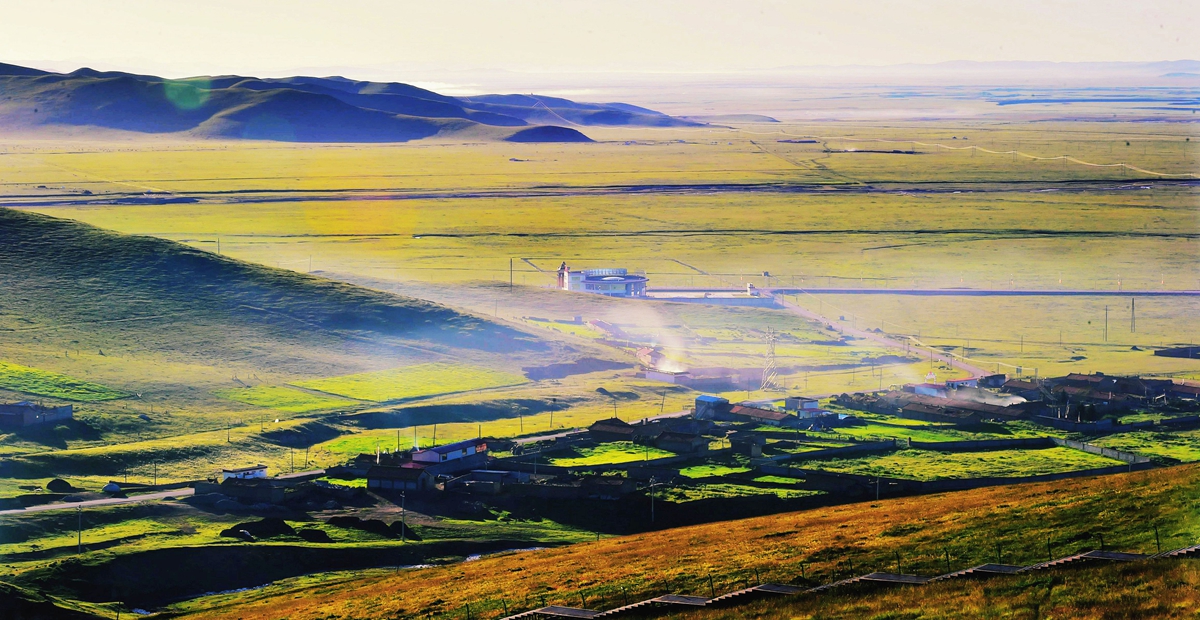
{"type": "Point", "coordinates": [253, 472]}
{"type": "Point", "coordinates": [384, 478]}
{"type": "Point", "coordinates": [615, 429]}
{"type": "Point", "coordinates": [993, 381]}
{"type": "Point", "coordinates": [650, 357]}
{"type": "Point", "coordinates": [927, 389]}
{"type": "Point", "coordinates": [1190, 352]}
{"type": "Point", "coordinates": [931, 413]}
{"type": "Point", "coordinates": [681, 443]}
{"type": "Point", "coordinates": [954, 410]}
{"type": "Point", "coordinates": [454, 457]}
{"type": "Point", "coordinates": [1184, 390]}
{"type": "Point", "coordinates": [486, 481]}
{"type": "Point", "coordinates": [707, 406]}
{"type": "Point", "coordinates": [26, 413]}
{"type": "Point", "coordinates": [1028, 390]}
{"type": "Point", "coordinates": [749, 444]}
{"type": "Point", "coordinates": [716, 408]}
{"type": "Point", "coordinates": [798, 403]}
{"type": "Point", "coordinates": [743, 413]}
{"type": "Point", "coordinates": [610, 282]}
{"type": "Point", "coordinates": [668, 376]}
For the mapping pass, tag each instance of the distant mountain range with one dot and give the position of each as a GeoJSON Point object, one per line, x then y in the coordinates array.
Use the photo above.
{"type": "Point", "coordinates": [297, 109]}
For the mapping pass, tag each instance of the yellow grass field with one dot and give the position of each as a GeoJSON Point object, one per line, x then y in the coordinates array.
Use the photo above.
{"type": "Point", "coordinates": [970, 526]}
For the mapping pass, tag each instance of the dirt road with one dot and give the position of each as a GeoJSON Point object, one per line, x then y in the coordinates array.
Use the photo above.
{"type": "Point", "coordinates": [879, 337]}
{"type": "Point", "coordinates": [112, 501]}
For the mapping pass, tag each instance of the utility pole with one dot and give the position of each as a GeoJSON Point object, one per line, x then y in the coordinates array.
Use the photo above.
{"type": "Point", "coordinates": [510, 274]}
{"type": "Point", "coordinates": [1133, 314]}
{"type": "Point", "coordinates": [653, 483]}
{"type": "Point", "coordinates": [403, 522]}
{"type": "Point", "coordinates": [1105, 323]}
{"type": "Point", "coordinates": [79, 531]}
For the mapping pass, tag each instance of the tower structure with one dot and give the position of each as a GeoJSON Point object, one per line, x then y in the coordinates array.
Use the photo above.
{"type": "Point", "coordinates": [770, 371]}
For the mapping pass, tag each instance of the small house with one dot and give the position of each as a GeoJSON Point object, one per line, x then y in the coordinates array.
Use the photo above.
{"type": "Point", "coordinates": [26, 413]}
{"type": "Point", "coordinates": [384, 478]}
{"type": "Point", "coordinates": [993, 381]}
{"type": "Point", "coordinates": [927, 389]}
{"type": "Point", "coordinates": [744, 413]}
{"type": "Point", "coordinates": [254, 472]}
{"type": "Point", "coordinates": [681, 443]}
{"type": "Point", "coordinates": [612, 429]}
{"type": "Point", "coordinates": [746, 443]}
{"type": "Point", "coordinates": [454, 457]}
{"type": "Point", "coordinates": [708, 407]}
{"type": "Point", "coordinates": [800, 403]}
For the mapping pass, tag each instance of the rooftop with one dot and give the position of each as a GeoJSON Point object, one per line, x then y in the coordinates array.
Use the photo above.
{"type": "Point", "coordinates": [456, 446]}
{"type": "Point", "coordinates": [395, 473]}
{"type": "Point", "coordinates": [240, 470]}
{"type": "Point", "coordinates": [755, 412]}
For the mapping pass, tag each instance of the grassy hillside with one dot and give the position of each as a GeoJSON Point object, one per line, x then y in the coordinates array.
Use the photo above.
{"type": "Point", "coordinates": [1019, 523]}
{"type": "Point", "coordinates": [66, 272]}
{"type": "Point", "coordinates": [156, 338]}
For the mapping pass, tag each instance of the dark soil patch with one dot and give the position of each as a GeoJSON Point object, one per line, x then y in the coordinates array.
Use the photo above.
{"type": "Point", "coordinates": [578, 367]}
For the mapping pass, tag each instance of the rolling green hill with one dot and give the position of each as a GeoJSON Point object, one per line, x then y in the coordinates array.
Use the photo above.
{"type": "Point", "coordinates": [165, 334]}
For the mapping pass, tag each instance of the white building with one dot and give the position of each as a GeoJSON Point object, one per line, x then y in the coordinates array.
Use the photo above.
{"type": "Point", "coordinates": [244, 473]}
{"type": "Point", "coordinates": [610, 282]}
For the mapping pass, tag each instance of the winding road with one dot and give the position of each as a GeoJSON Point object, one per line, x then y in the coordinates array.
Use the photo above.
{"type": "Point", "coordinates": [110, 501]}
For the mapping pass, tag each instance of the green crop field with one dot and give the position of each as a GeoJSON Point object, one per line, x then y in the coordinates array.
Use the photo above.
{"type": "Point", "coordinates": [283, 399]}
{"type": "Point", "coordinates": [683, 494]}
{"type": "Point", "coordinates": [930, 465]}
{"type": "Point", "coordinates": [710, 470]}
{"type": "Point", "coordinates": [607, 454]}
{"type": "Point", "coordinates": [412, 382]}
{"type": "Point", "coordinates": [51, 384]}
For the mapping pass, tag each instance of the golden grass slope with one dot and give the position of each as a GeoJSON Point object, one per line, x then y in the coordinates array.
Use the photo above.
{"type": "Point", "coordinates": [972, 527]}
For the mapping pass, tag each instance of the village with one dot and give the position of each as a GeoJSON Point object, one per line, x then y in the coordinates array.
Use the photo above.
{"type": "Point", "coordinates": [723, 458]}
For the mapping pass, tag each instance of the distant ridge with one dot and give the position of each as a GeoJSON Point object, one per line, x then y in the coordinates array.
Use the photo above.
{"type": "Point", "coordinates": [293, 109]}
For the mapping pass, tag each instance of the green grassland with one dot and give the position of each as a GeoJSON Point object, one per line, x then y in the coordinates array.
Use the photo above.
{"type": "Point", "coordinates": [965, 527]}
{"type": "Point", "coordinates": [684, 494]}
{"type": "Point", "coordinates": [338, 292]}
{"type": "Point", "coordinates": [1179, 445]}
{"type": "Point", "coordinates": [995, 228]}
{"type": "Point", "coordinates": [711, 470]}
{"type": "Point", "coordinates": [44, 383]}
{"type": "Point", "coordinates": [931, 465]}
{"type": "Point", "coordinates": [413, 382]}
{"type": "Point", "coordinates": [186, 332]}
{"type": "Point", "coordinates": [283, 398]}
{"type": "Point", "coordinates": [607, 454]}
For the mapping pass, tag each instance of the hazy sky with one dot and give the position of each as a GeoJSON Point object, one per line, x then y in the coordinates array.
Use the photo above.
{"type": "Point", "coordinates": [392, 39]}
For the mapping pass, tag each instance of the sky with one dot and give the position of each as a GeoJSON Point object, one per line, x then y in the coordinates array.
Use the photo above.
{"type": "Point", "coordinates": [394, 39]}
